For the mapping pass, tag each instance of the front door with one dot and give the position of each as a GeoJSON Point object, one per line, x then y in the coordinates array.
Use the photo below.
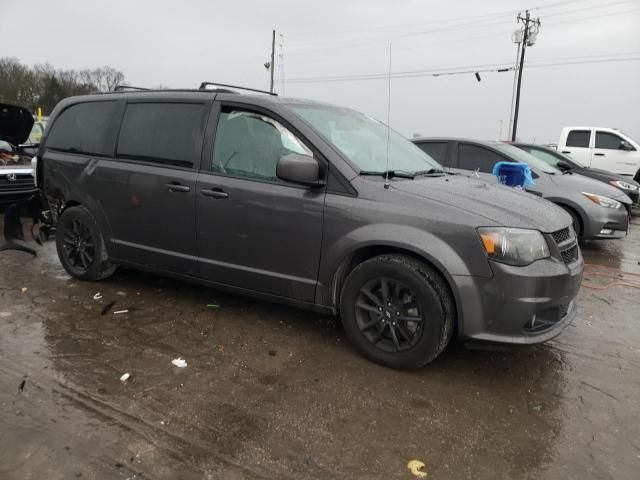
{"type": "Point", "coordinates": [609, 154]}
{"type": "Point", "coordinates": [578, 146]}
{"type": "Point", "coordinates": [256, 231]}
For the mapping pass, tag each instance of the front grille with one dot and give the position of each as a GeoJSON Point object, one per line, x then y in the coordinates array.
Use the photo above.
{"type": "Point", "coordinates": [561, 236]}
{"type": "Point", "coordinates": [23, 181]}
{"type": "Point", "coordinates": [566, 241]}
{"type": "Point", "coordinates": [570, 255]}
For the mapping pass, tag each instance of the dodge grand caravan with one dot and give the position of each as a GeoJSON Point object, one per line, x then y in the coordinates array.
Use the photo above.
{"type": "Point", "coordinates": [310, 204]}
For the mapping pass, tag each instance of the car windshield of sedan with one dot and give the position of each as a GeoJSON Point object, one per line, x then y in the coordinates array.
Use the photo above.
{"type": "Point", "coordinates": [522, 156]}
{"type": "Point", "coordinates": [366, 142]}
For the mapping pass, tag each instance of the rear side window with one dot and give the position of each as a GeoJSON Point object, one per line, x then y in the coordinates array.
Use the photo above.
{"type": "Point", "coordinates": [609, 141]}
{"type": "Point", "coordinates": [471, 157]}
{"type": "Point", "coordinates": [437, 151]}
{"type": "Point", "coordinates": [579, 138]}
{"type": "Point", "coordinates": [82, 128]}
{"type": "Point", "coordinates": [168, 133]}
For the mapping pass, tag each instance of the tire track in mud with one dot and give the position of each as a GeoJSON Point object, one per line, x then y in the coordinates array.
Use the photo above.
{"type": "Point", "coordinates": [181, 450]}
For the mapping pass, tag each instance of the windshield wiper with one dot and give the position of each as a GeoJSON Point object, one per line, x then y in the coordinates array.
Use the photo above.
{"type": "Point", "coordinates": [390, 173]}
{"type": "Point", "coordinates": [431, 171]}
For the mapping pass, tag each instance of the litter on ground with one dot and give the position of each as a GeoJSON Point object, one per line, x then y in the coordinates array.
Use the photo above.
{"type": "Point", "coordinates": [118, 312]}
{"type": "Point", "coordinates": [179, 362]}
{"type": "Point", "coordinates": [125, 377]}
{"type": "Point", "coordinates": [415, 467]}
{"type": "Point", "coordinates": [97, 296]}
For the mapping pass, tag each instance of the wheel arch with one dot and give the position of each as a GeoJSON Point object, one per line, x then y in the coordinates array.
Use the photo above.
{"type": "Point", "coordinates": [576, 211]}
{"type": "Point", "coordinates": [366, 252]}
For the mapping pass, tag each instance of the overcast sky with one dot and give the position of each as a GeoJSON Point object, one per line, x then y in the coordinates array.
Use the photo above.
{"type": "Point", "coordinates": [180, 44]}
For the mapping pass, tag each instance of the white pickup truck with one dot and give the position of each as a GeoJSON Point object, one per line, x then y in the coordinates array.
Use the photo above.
{"type": "Point", "coordinates": [604, 148]}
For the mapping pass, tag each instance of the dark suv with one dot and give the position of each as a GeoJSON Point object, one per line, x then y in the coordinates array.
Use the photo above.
{"type": "Point", "coordinates": [311, 204]}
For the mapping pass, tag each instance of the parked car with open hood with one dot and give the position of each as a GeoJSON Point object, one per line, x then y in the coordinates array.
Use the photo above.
{"type": "Point", "coordinates": [309, 204]}
{"type": "Point", "coordinates": [598, 211]}
{"type": "Point", "coordinates": [562, 162]}
{"type": "Point", "coordinates": [16, 173]}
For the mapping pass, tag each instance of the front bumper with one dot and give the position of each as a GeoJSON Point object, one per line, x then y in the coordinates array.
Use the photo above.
{"type": "Point", "coordinates": [16, 196]}
{"type": "Point", "coordinates": [520, 305]}
{"type": "Point", "coordinates": [599, 220]}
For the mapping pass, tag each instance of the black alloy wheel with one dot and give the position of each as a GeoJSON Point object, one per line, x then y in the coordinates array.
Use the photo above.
{"type": "Point", "coordinates": [78, 246]}
{"type": "Point", "coordinates": [81, 247]}
{"type": "Point", "coordinates": [397, 311]}
{"type": "Point", "coordinates": [389, 315]}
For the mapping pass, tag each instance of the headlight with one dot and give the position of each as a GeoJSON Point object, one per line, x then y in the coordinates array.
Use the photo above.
{"type": "Point", "coordinates": [624, 185]}
{"type": "Point", "coordinates": [605, 202]}
{"type": "Point", "coordinates": [514, 246]}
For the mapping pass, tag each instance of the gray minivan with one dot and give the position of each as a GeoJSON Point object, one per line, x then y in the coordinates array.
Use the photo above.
{"type": "Point", "coordinates": [309, 204]}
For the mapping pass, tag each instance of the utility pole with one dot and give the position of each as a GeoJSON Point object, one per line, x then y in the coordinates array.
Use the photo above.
{"type": "Point", "coordinates": [517, 39]}
{"type": "Point", "coordinates": [531, 28]}
{"type": "Point", "coordinates": [273, 54]}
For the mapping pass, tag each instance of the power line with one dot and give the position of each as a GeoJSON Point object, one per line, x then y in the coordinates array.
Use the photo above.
{"type": "Point", "coordinates": [480, 21]}
{"type": "Point", "coordinates": [499, 67]}
{"type": "Point", "coordinates": [431, 22]}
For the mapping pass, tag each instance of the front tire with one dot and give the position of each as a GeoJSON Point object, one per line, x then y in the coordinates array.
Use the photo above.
{"type": "Point", "coordinates": [81, 247]}
{"type": "Point", "coordinates": [397, 311]}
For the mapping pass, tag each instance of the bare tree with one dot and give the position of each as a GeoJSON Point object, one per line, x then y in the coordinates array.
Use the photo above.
{"type": "Point", "coordinates": [44, 86]}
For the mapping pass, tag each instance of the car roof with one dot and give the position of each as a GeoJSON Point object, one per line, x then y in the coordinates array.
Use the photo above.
{"type": "Point", "coordinates": [488, 143]}
{"type": "Point", "coordinates": [195, 94]}
{"type": "Point", "coordinates": [587, 127]}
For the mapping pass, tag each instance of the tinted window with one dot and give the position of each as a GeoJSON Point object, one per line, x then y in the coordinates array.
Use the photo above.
{"type": "Point", "coordinates": [471, 157]}
{"type": "Point", "coordinates": [168, 133]}
{"type": "Point", "coordinates": [437, 151]}
{"type": "Point", "coordinates": [609, 141]}
{"type": "Point", "coordinates": [82, 128]}
{"type": "Point", "coordinates": [546, 157]}
{"type": "Point", "coordinates": [579, 138]}
{"type": "Point", "coordinates": [250, 145]}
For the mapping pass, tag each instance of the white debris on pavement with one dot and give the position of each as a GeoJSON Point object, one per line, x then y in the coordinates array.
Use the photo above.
{"type": "Point", "coordinates": [179, 362]}
{"type": "Point", "coordinates": [118, 312]}
{"type": "Point", "coordinates": [97, 296]}
{"type": "Point", "coordinates": [125, 377]}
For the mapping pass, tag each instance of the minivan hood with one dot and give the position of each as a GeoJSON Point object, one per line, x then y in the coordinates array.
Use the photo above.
{"type": "Point", "coordinates": [504, 206]}
{"type": "Point", "coordinates": [581, 183]}
{"type": "Point", "coordinates": [15, 123]}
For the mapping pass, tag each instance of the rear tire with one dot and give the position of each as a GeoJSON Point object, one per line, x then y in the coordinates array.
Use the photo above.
{"type": "Point", "coordinates": [81, 247]}
{"type": "Point", "coordinates": [397, 311]}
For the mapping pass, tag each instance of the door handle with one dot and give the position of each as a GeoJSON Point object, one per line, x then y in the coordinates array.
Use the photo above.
{"type": "Point", "coordinates": [214, 192]}
{"type": "Point", "coordinates": [599, 154]}
{"type": "Point", "coordinates": [176, 187]}
{"type": "Point", "coordinates": [566, 151]}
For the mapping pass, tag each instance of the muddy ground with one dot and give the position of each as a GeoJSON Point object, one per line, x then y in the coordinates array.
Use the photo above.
{"type": "Point", "coordinates": [277, 393]}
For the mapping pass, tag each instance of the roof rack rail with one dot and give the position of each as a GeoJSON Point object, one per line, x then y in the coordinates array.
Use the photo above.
{"type": "Point", "coordinates": [204, 85]}
{"type": "Point", "coordinates": [118, 88]}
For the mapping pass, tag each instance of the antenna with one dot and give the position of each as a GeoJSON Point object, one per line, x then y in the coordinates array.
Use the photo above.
{"type": "Point", "coordinates": [386, 170]}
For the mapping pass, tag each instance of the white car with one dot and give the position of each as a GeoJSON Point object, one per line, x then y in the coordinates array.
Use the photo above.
{"type": "Point", "coordinates": [604, 148]}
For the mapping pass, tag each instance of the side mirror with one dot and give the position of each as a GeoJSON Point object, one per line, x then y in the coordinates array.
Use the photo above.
{"type": "Point", "coordinates": [562, 165]}
{"type": "Point", "coordinates": [298, 169]}
{"type": "Point", "coordinates": [626, 146]}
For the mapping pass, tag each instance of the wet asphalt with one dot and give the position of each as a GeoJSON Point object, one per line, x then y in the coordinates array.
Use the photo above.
{"type": "Point", "coordinates": [272, 392]}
